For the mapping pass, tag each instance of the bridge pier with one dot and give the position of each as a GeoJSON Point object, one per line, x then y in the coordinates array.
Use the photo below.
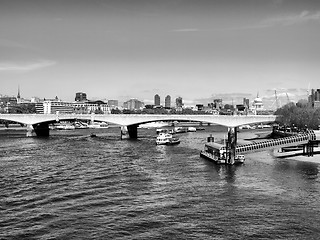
{"type": "Point", "coordinates": [231, 145]}
{"type": "Point", "coordinates": [130, 131]}
{"type": "Point", "coordinates": [39, 130]}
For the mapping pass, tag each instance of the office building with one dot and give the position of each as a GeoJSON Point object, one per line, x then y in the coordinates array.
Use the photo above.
{"type": "Point", "coordinates": [246, 103]}
{"type": "Point", "coordinates": [167, 103]}
{"type": "Point", "coordinates": [179, 102]}
{"type": "Point", "coordinates": [113, 103]}
{"type": "Point", "coordinates": [133, 104]}
{"type": "Point", "coordinates": [80, 97]}
{"type": "Point", "coordinates": [156, 100]}
{"type": "Point", "coordinates": [56, 106]}
{"type": "Point", "coordinates": [314, 98]}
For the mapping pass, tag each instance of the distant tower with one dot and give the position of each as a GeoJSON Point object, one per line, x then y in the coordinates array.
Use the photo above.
{"type": "Point", "coordinates": [179, 103]}
{"type": "Point", "coordinates": [156, 100]}
{"type": "Point", "coordinates": [246, 103]}
{"type": "Point", "coordinates": [167, 103]}
{"type": "Point", "coordinates": [18, 96]}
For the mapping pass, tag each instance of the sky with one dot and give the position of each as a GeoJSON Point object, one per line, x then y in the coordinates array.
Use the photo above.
{"type": "Point", "coordinates": [196, 49]}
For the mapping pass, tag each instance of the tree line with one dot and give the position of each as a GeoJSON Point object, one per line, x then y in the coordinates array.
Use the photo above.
{"type": "Point", "coordinates": [300, 115]}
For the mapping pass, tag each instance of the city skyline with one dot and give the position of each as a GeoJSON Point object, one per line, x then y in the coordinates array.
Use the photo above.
{"type": "Point", "coordinates": [194, 49]}
{"type": "Point", "coordinates": [272, 102]}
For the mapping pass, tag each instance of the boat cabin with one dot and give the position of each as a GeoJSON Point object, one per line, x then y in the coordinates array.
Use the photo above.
{"type": "Point", "coordinates": [216, 149]}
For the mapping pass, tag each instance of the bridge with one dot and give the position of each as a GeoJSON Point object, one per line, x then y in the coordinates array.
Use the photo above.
{"type": "Point", "coordinates": [307, 141]}
{"type": "Point", "coordinates": [38, 124]}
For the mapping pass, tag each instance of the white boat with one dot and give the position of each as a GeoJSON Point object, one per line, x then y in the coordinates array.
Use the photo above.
{"type": "Point", "coordinates": [217, 153]}
{"type": "Point", "coordinates": [98, 125]}
{"type": "Point", "coordinates": [64, 127]}
{"type": "Point", "coordinates": [165, 130]}
{"type": "Point", "coordinates": [192, 129]}
{"type": "Point", "coordinates": [80, 125]}
{"type": "Point", "coordinates": [180, 129]}
{"type": "Point", "coordinates": [247, 126]}
{"type": "Point", "coordinates": [167, 139]}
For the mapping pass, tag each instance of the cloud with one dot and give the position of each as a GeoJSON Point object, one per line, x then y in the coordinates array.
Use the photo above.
{"type": "Point", "coordinates": [304, 16]}
{"type": "Point", "coordinates": [25, 66]}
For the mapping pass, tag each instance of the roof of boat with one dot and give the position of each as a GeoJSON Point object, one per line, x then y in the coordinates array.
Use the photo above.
{"type": "Point", "coordinates": [214, 145]}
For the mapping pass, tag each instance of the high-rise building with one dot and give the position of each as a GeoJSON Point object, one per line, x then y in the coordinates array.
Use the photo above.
{"type": "Point", "coordinates": [179, 102]}
{"type": "Point", "coordinates": [314, 98]}
{"type": "Point", "coordinates": [167, 102]}
{"type": "Point", "coordinates": [156, 100]}
{"type": "Point", "coordinates": [246, 103]}
{"type": "Point", "coordinates": [80, 96]}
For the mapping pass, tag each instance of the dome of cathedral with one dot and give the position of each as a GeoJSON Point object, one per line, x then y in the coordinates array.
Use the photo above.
{"type": "Point", "coordinates": [257, 100]}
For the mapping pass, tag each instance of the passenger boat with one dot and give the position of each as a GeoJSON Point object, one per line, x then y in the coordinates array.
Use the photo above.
{"type": "Point", "coordinates": [217, 153]}
{"type": "Point", "coordinates": [167, 139]}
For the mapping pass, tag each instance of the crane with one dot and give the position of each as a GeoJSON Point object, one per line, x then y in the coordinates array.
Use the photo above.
{"type": "Point", "coordinates": [288, 99]}
{"type": "Point", "coordinates": [277, 100]}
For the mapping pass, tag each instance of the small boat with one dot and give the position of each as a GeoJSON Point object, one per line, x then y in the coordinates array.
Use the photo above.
{"type": "Point", "coordinates": [165, 130]}
{"type": "Point", "coordinates": [217, 153]}
{"type": "Point", "coordinates": [167, 139]}
{"type": "Point", "coordinates": [93, 135]}
{"type": "Point", "coordinates": [181, 129]}
{"type": "Point", "coordinates": [98, 125]}
{"type": "Point", "coordinates": [191, 129]}
{"type": "Point", "coordinates": [80, 125]}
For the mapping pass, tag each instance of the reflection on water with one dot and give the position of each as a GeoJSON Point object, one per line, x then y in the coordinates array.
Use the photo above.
{"type": "Point", "coordinates": [73, 186]}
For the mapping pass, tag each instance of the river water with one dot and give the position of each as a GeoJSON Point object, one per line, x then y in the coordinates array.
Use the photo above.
{"type": "Point", "coordinates": [73, 186]}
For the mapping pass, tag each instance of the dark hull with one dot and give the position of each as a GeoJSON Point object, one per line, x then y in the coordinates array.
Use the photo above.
{"type": "Point", "coordinates": [219, 161]}
{"type": "Point", "coordinates": [173, 142]}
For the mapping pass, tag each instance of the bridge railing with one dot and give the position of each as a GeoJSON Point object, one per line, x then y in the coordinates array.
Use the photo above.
{"type": "Point", "coordinates": [281, 142]}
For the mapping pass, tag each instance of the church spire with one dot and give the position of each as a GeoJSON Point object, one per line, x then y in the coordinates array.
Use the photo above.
{"type": "Point", "coordinates": [18, 96]}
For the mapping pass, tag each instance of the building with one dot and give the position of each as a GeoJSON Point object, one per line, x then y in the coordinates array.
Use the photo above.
{"type": "Point", "coordinates": [217, 103]}
{"type": "Point", "coordinates": [80, 97]}
{"type": "Point", "coordinates": [199, 107]}
{"type": "Point", "coordinates": [257, 105]}
{"type": "Point", "coordinates": [179, 103]}
{"type": "Point", "coordinates": [167, 102]}
{"type": "Point", "coordinates": [98, 107]}
{"type": "Point", "coordinates": [133, 104]}
{"type": "Point", "coordinates": [6, 103]}
{"type": "Point", "coordinates": [314, 98]}
{"type": "Point", "coordinates": [113, 104]}
{"type": "Point", "coordinates": [246, 103]}
{"type": "Point", "coordinates": [55, 106]}
{"type": "Point", "coordinates": [156, 100]}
